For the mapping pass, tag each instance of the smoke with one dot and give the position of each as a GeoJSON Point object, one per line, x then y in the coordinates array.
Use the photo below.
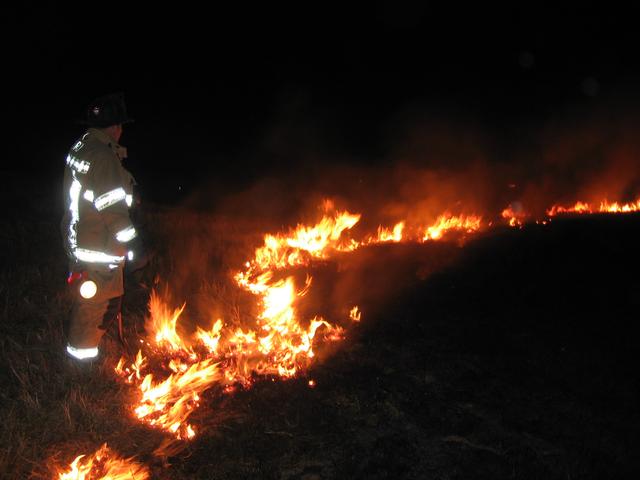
{"type": "Point", "coordinates": [425, 166]}
{"type": "Point", "coordinates": [586, 158]}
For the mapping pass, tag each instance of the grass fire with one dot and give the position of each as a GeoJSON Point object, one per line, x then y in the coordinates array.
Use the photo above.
{"type": "Point", "coordinates": [400, 313]}
{"type": "Point", "coordinates": [369, 241]}
{"type": "Point", "coordinates": [173, 374]}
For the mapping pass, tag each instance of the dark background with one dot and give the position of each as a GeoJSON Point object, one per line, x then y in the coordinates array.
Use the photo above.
{"type": "Point", "coordinates": [238, 92]}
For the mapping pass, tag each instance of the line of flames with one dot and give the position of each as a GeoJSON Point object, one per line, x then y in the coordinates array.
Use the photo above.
{"type": "Point", "coordinates": [517, 217]}
{"type": "Point", "coordinates": [278, 344]}
{"type": "Point", "coordinates": [603, 207]}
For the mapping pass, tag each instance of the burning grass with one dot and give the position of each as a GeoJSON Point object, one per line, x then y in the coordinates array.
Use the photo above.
{"type": "Point", "coordinates": [392, 392]}
{"type": "Point", "coordinates": [104, 464]}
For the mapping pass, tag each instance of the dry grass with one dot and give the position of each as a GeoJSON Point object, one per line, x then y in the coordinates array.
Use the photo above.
{"type": "Point", "coordinates": [54, 408]}
{"type": "Point", "coordinates": [472, 374]}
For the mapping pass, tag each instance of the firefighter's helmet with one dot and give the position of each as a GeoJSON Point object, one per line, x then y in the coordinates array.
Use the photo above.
{"type": "Point", "coordinates": [106, 111]}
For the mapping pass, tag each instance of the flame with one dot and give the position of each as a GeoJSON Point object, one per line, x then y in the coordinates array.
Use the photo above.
{"type": "Point", "coordinates": [604, 207]}
{"type": "Point", "coordinates": [163, 323]}
{"type": "Point", "coordinates": [104, 465]}
{"type": "Point", "coordinates": [171, 378]}
{"type": "Point", "coordinates": [211, 339]}
{"type": "Point", "coordinates": [280, 250]}
{"type": "Point", "coordinates": [174, 372]}
{"type": "Point", "coordinates": [447, 222]}
{"type": "Point", "coordinates": [620, 208]}
{"type": "Point", "coordinates": [173, 375]}
{"type": "Point", "coordinates": [516, 218]}
{"type": "Point", "coordinates": [278, 344]}
{"type": "Point", "coordinates": [386, 235]}
{"type": "Point", "coordinates": [169, 403]}
{"type": "Point", "coordinates": [444, 224]}
{"type": "Point", "coordinates": [284, 343]}
{"type": "Point", "coordinates": [133, 371]}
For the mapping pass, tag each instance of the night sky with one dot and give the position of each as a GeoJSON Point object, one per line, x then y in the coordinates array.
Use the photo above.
{"type": "Point", "coordinates": [239, 92]}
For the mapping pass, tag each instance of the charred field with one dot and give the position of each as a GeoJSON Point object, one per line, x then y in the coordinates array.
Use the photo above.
{"type": "Point", "coordinates": [512, 356]}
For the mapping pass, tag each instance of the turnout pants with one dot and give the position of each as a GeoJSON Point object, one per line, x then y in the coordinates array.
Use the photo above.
{"type": "Point", "coordinates": [90, 317]}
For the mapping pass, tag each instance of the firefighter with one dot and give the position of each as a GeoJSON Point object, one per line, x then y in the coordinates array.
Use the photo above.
{"type": "Point", "coordinates": [97, 229]}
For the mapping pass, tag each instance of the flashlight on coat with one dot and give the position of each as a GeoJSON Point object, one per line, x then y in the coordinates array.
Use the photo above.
{"type": "Point", "coordinates": [87, 289]}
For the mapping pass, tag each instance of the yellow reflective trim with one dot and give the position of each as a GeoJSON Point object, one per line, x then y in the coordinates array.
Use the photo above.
{"type": "Point", "coordinates": [123, 236]}
{"type": "Point", "coordinates": [107, 199]}
{"type": "Point", "coordinates": [74, 195]}
{"type": "Point", "coordinates": [80, 166]}
{"type": "Point", "coordinates": [88, 195]}
{"type": "Point", "coordinates": [82, 353]}
{"type": "Point", "coordinates": [94, 256]}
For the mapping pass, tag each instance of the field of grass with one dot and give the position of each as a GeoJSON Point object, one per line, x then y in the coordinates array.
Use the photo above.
{"type": "Point", "coordinates": [513, 357]}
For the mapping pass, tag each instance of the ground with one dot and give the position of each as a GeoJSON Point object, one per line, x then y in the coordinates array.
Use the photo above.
{"type": "Point", "coordinates": [512, 356]}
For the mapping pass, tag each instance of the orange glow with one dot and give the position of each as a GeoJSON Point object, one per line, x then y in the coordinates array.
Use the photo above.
{"type": "Point", "coordinates": [104, 465]}
{"type": "Point", "coordinates": [355, 314]}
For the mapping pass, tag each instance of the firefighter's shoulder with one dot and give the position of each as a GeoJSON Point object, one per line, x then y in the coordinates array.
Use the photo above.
{"type": "Point", "coordinates": [97, 144]}
{"type": "Point", "coordinates": [104, 168]}
{"type": "Point", "coordinates": [101, 160]}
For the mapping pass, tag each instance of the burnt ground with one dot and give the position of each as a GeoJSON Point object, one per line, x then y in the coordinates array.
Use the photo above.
{"type": "Point", "coordinates": [516, 361]}
{"type": "Point", "coordinates": [511, 357]}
